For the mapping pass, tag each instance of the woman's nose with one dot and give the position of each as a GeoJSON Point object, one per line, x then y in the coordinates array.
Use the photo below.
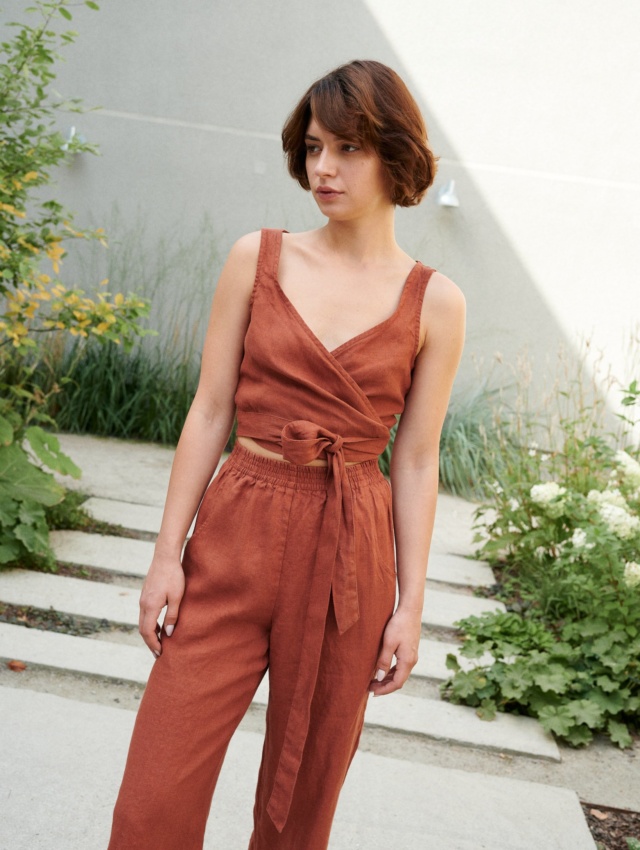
{"type": "Point", "coordinates": [325, 163]}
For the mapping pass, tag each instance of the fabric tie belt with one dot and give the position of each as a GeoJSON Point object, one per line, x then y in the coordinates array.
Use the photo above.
{"type": "Point", "coordinates": [303, 442]}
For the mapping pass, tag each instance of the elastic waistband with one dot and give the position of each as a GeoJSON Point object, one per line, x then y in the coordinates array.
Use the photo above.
{"type": "Point", "coordinates": [294, 475]}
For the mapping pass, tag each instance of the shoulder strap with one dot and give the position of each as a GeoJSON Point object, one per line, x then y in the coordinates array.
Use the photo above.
{"type": "Point", "coordinates": [419, 288]}
{"type": "Point", "coordinates": [268, 258]}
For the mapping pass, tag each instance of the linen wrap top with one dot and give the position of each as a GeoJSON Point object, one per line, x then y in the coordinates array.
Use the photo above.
{"type": "Point", "coordinates": [297, 398]}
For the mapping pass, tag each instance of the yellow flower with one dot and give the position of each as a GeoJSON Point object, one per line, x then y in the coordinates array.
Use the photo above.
{"type": "Point", "coordinates": [119, 299]}
{"type": "Point", "coordinates": [55, 252]}
{"type": "Point", "coordinates": [11, 209]}
{"type": "Point", "coordinates": [30, 175]}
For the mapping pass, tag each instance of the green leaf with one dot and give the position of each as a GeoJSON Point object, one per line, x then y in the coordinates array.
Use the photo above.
{"type": "Point", "coordinates": [34, 539]}
{"type": "Point", "coordinates": [452, 662]}
{"type": "Point", "coordinates": [21, 480]}
{"type": "Point", "coordinates": [555, 679]}
{"type": "Point", "coordinates": [633, 843]}
{"type": "Point", "coordinates": [515, 682]}
{"type": "Point", "coordinates": [9, 551]}
{"type": "Point", "coordinates": [47, 449]}
{"type": "Point", "coordinates": [65, 13]}
{"type": "Point", "coordinates": [6, 432]}
{"type": "Point", "coordinates": [586, 711]}
{"type": "Point", "coordinates": [606, 684]}
{"type": "Point", "coordinates": [92, 5]}
{"type": "Point", "coordinates": [487, 710]}
{"type": "Point", "coordinates": [557, 719]}
{"type": "Point", "coordinates": [619, 734]}
{"type": "Point", "coordinates": [9, 510]}
{"type": "Point", "coordinates": [579, 736]}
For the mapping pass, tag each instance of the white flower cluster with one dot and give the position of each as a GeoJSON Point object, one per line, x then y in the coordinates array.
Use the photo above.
{"type": "Point", "coordinates": [632, 573]}
{"type": "Point", "coordinates": [548, 496]}
{"type": "Point", "coordinates": [608, 497]}
{"type": "Point", "coordinates": [619, 521]}
{"type": "Point", "coordinates": [579, 539]}
{"type": "Point", "coordinates": [630, 468]}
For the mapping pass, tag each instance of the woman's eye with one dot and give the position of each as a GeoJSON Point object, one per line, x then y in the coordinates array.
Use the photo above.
{"type": "Point", "coordinates": [350, 148]}
{"type": "Point", "coordinates": [312, 148]}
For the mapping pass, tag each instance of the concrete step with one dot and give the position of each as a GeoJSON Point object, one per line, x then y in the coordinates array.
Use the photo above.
{"type": "Point", "coordinates": [70, 595]}
{"type": "Point", "coordinates": [133, 663]}
{"type": "Point", "coordinates": [77, 654]}
{"type": "Point", "coordinates": [453, 569]}
{"type": "Point", "coordinates": [386, 803]}
{"type": "Point", "coordinates": [443, 721]}
{"type": "Point", "coordinates": [120, 604]}
{"type": "Point", "coordinates": [443, 610]}
{"type": "Point", "coordinates": [430, 718]}
{"type": "Point", "coordinates": [107, 552]}
{"type": "Point", "coordinates": [136, 517]}
{"type": "Point", "coordinates": [432, 660]}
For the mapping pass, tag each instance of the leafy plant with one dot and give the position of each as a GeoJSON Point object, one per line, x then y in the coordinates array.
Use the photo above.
{"type": "Point", "coordinates": [34, 303]}
{"type": "Point", "coordinates": [564, 530]}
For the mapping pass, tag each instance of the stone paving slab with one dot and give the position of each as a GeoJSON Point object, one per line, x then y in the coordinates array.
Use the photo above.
{"type": "Point", "coordinates": [443, 721]}
{"type": "Point", "coordinates": [433, 656]}
{"type": "Point", "coordinates": [136, 517]}
{"type": "Point", "coordinates": [77, 750]}
{"type": "Point", "coordinates": [70, 595]}
{"type": "Point", "coordinates": [78, 654]}
{"type": "Point", "coordinates": [431, 718]}
{"type": "Point", "coordinates": [443, 609]}
{"type": "Point", "coordinates": [107, 552]}
{"type": "Point", "coordinates": [459, 724]}
{"type": "Point", "coordinates": [121, 661]}
{"type": "Point", "coordinates": [119, 469]}
{"type": "Point", "coordinates": [454, 569]}
{"type": "Point", "coordinates": [120, 604]}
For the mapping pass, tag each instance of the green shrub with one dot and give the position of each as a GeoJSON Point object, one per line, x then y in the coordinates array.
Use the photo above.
{"type": "Point", "coordinates": [34, 303]}
{"type": "Point", "coordinates": [563, 528]}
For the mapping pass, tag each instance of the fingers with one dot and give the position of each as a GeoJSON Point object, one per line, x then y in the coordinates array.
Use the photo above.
{"type": "Point", "coordinates": [393, 680]}
{"type": "Point", "coordinates": [148, 626]}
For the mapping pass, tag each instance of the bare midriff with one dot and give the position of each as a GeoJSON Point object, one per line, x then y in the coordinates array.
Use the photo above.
{"type": "Point", "coordinates": [252, 446]}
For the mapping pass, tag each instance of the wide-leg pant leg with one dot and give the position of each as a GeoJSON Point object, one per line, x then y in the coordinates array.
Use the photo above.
{"type": "Point", "coordinates": [210, 667]}
{"type": "Point", "coordinates": [347, 666]}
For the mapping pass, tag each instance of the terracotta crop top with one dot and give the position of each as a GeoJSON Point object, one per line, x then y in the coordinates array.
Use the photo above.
{"type": "Point", "coordinates": [297, 398]}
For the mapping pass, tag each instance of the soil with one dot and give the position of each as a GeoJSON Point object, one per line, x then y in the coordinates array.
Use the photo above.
{"type": "Point", "coordinates": [613, 829]}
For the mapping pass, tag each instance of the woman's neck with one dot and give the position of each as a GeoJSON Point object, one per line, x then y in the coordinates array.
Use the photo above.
{"type": "Point", "coordinates": [362, 241]}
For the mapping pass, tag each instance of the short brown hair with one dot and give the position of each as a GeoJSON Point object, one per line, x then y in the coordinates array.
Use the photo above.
{"type": "Point", "coordinates": [368, 102]}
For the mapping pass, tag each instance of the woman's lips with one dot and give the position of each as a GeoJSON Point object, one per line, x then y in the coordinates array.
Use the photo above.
{"type": "Point", "coordinates": [327, 192]}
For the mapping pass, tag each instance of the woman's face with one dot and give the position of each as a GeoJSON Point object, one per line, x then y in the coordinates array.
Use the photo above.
{"type": "Point", "coordinates": [346, 180]}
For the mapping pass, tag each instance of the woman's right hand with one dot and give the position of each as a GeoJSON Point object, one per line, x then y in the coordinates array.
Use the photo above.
{"type": "Point", "coordinates": [164, 585]}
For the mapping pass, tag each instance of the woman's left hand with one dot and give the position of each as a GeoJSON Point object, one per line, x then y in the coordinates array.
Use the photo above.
{"type": "Point", "coordinates": [402, 639]}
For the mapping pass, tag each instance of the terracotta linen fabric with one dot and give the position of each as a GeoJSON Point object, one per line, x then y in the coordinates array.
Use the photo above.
{"type": "Point", "coordinates": [346, 402]}
{"type": "Point", "coordinates": [249, 571]}
{"type": "Point", "coordinates": [291, 568]}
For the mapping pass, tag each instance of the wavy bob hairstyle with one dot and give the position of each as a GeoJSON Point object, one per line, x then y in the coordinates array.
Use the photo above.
{"type": "Point", "coordinates": [366, 102]}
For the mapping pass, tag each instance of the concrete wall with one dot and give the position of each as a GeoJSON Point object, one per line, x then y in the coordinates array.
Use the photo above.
{"type": "Point", "coordinates": [533, 108]}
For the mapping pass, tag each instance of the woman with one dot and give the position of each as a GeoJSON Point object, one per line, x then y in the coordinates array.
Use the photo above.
{"type": "Point", "coordinates": [316, 342]}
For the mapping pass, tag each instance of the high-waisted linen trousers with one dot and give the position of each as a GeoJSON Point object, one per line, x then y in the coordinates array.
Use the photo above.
{"type": "Point", "coordinates": [248, 571]}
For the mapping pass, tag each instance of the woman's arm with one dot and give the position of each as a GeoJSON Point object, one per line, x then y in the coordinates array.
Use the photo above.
{"type": "Point", "coordinates": [414, 474]}
{"type": "Point", "coordinates": [205, 433]}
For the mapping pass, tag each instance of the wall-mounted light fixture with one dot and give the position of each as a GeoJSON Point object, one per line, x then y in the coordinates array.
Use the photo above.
{"type": "Point", "coordinates": [447, 195]}
{"type": "Point", "coordinates": [72, 135]}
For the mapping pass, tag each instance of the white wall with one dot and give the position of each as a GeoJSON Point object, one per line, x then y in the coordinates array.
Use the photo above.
{"type": "Point", "coordinates": [534, 108]}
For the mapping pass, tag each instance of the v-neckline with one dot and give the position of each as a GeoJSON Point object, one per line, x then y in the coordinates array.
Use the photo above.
{"type": "Point", "coordinates": [333, 352]}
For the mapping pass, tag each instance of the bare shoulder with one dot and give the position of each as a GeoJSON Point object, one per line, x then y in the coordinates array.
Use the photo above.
{"type": "Point", "coordinates": [246, 249]}
{"type": "Point", "coordinates": [443, 310]}
{"type": "Point", "coordinates": [239, 271]}
{"type": "Point", "coordinates": [443, 294]}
